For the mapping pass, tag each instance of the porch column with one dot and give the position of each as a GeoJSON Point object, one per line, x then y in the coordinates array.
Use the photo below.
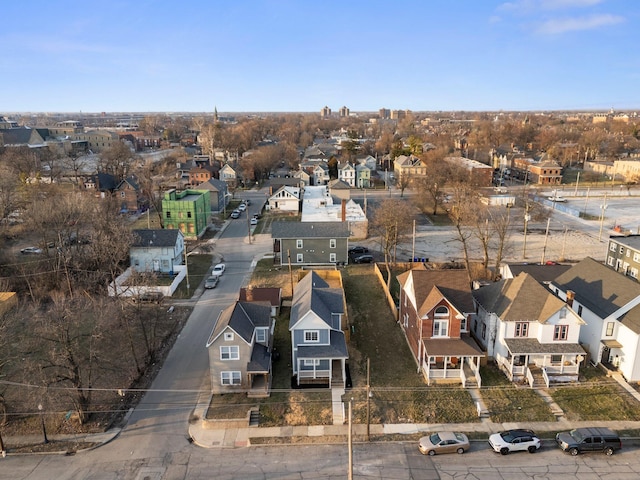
{"type": "Point", "coordinates": [344, 371]}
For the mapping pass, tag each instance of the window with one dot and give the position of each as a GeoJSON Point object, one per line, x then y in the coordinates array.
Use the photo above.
{"type": "Point", "coordinates": [463, 324]}
{"type": "Point", "coordinates": [122, 194]}
{"type": "Point", "coordinates": [610, 261]}
{"type": "Point", "coordinates": [522, 329]}
{"type": "Point", "coordinates": [636, 257]}
{"type": "Point", "coordinates": [230, 352]}
{"type": "Point", "coordinates": [612, 247]}
{"type": "Point", "coordinates": [332, 257]}
{"type": "Point", "coordinates": [261, 335]}
{"type": "Point", "coordinates": [633, 272]}
{"type": "Point", "coordinates": [406, 320]}
{"type": "Point", "coordinates": [228, 336]}
{"type": "Point", "coordinates": [299, 243]}
{"type": "Point", "coordinates": [560, 332]}
{"type": "Point", "coordinates": [332, 243]}
{"type": "Point", "coordinates": [580, 310]}
{"type": "Point", "coordinates": [621, 249]}
{"type": "Point", "coordinates": [484, 331]}
{"type": "Point", "coordinates": [188, 214]}
{"type": "Point", "coordinates": [311, 336]}
{"type": "Point", "coordinates": [168, 214]}
{"type": "Point", "coordinates": [563, 313]}
{"type": "Point", "coordinates": [440, 327]}
{"type": "Point", "coordinates": [299, 258]}
{"type": "Point", "coordinates": [230, 378]}
{"type": "Point", "coordinates": [314, 362]}
{"type": "Point", "coordinates": [555, 359]}
{"type": "Point", "coordinates": [609, 331]}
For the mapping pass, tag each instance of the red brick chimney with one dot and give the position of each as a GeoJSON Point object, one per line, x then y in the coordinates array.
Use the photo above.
{"type": "Point", "coordinates": [344, 210]}
{"type": "Point", "coordinates": [570, 296]}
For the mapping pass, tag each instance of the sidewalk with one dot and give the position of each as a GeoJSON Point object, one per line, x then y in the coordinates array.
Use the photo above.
{"type": "Point", "coordinates": [241, 437]}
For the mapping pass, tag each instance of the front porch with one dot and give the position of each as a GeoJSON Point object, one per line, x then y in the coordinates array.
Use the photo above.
{"type": "Point", "coordinates": [540, 365]}
{"type": "Point", "coordinates": [451, 361]}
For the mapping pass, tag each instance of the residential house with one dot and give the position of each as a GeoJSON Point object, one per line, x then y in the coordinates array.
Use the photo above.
{"type": "Point", "coordinates": [272, 295]}
{"type": "Point", "coordinates": [302, 177]}
{"type": "Point", "coordinates": [285, 199]}
{"type": "Point", "coordinates": [188, 211]}
{"type": "Point", "coordinates": [530, 333]}
{"type": "Point", "coordinates": [480, 174]}
{"type": "Point", "coordinates": [542, 273]}
{"type": "Point", "coordinates": [363, 176]}
{"type": "Point", "coordinates": [228, 175]}
{"type": "Point", "coordinates": [623, 254]}
{"type": "Point", "coordinates": [317, 324]}
{"type": "Point", "coordinates": [321, 174]}
{"type": "Point", "coordinates": [609, 304]}
{"type": "Point", "coordinates": [347, 174]}
{"type": "Point", "coordinates": [410, 167]}
{"type": "Point", "coordinates": [129, 195]}
{"type": "Point", "coordinates": [370, 162]}
{"type": "Point", "coordinates": [201, 174]}
{"type": "Point", "coordinates": [218, 193]}
{"type": "Point", "coordinates": [339, 189]}
{"type": "Point", "coordinates": [156, 250]}
{"type": "Point", "coordinates": [240, 349]}
{"type": "Point", "coordinates": [434, 313]}
{"type": "Point", "coordinates": [310, 243]}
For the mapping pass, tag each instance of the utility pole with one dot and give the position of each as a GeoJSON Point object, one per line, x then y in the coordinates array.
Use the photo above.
{"type": "Point", "coordinates": [546, 236]}
{"type": "Point", "coordinates": [290, 272]}
{"type": "Point", "coordinates": [413, 246]}
{"type": "Point", "coordinates": [603, 207]}
{"type": "Point", "coordinates": [527, 217]}
{"type": "Point", "coordinates": [368, 399]}
{"type": "Point", "coordinates": [350, 474]}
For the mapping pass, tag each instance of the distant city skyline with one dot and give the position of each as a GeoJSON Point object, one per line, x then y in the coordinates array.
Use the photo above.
{"type": "Point", "coordinates": [297, 56]}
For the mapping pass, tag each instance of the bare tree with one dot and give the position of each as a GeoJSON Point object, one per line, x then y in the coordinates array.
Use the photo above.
{"type": "Point", "coordinates": [390, 222]}
{"type": "Point", "coordinates": [116, 160]}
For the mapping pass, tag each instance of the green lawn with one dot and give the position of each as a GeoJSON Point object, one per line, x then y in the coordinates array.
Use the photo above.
{"type": "Point", "coordinates": [597, 401]}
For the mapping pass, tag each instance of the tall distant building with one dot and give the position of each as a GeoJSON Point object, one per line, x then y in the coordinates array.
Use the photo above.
{"type": "Point", "coordinates": [344, 112]}
{"type": "Point", "coordinates": [399, 114]}
{"type": "Point", "coordinates": [325, 112]}
{"type": "Point", "coordinates": [384, 113]}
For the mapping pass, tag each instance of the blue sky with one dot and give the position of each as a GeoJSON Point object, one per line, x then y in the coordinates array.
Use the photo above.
{"type": "Point", "coordinates": [300, 55]}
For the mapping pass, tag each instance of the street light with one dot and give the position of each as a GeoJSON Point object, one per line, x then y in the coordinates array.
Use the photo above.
{"type": "Point", "coordinates": [44, 429]}
{"type": "Point", "coordinates": [603, 207]}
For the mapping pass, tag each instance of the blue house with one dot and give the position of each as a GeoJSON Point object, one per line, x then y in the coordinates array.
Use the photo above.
{"type": "Point", "coordinates": [317, 324]}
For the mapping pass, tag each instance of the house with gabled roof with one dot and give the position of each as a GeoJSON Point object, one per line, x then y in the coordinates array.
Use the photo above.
{"type": "Point", "coordinates": [285, 199]}
{"type": "Point", "coordinates": [156, 250]}
{"type": "Point", "coordinates": [128, 194]}
{"type": "Point", "coordinates": [240, 348]}
{"type": "Point", "coordinates": [228, 174]}
{"type": "Point", "coordinates": [273, 295]}
{"type": "Point", "coordinates": [347, 173]}
{"type": "Point", "coordinates": [435, 310]}
{"type": "Point", "coordinates": [317, 324]}
{"type": "Point", "coordinates": [531, 334]}
{"type": "Point", "coordinates": [363, 176]}
{"type": "Point", "coordinates": [609, 304]}
{"type": "Point", "coordinates": [310, 243]}
{"type": "Point", "coordinates": [321, 174]}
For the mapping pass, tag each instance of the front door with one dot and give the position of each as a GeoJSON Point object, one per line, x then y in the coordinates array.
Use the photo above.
{"type": "Point", "coordinates": [606, 352]}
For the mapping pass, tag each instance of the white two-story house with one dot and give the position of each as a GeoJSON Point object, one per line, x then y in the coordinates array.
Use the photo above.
{"type": "Point", "coordinates": [531, 334]}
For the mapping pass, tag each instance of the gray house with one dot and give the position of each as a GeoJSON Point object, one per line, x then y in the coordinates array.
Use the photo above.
{"type": "Point", "coordinates": [156, 250]}
{"type": "Point", "coordinates": [218, 190]}
{"type": "Point", "coordinates": [310, 243]}
{"type": "Point", "coordinates": [240, 349]}
{"type": "Point", "coordinates": [317, 325]}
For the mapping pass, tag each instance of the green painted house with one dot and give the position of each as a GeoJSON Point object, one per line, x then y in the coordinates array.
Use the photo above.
{"type": "Point", "coordinates": [187, 211]}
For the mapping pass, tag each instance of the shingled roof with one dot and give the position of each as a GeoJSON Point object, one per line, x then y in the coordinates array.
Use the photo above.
{"type": "Point", "coordinates": [519, 299]}
{"type": "Point", "coordinates": [296, 230]}
{"type": "Point", "coordinates": [155, 238]}
{"type": "Point", "coordinates": [430, 286]}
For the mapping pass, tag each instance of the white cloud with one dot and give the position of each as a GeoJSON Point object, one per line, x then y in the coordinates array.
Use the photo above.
{"type": "Point", "coordinates": [558, 26]}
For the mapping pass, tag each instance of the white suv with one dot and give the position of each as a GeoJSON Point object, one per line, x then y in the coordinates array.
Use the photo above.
{"type": "Point", "coordinates": [515, 441]}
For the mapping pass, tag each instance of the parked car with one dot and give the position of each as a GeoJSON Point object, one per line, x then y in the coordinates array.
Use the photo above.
{"type": "Point", "coordinates": [247, 202]}
{"type": "Point", "coordinates": [257, 215]}
{"type": "Point", "coordinates": [357, 250]}
{"type": "Point", "coordinates": [212, 281]}
{"type": "Point", "coordinates": [218, 270]}
{"type": "Point", "coordinates": [589, 439]}
{"type": "Point", "coordinates": [365, 258]}
{"type": "Point", "coordinates": [235, 214]}
{"type": "Point", "coordinates": [242, 207]}
{"type": "Point", "coordinates": [254, 221]}
{"type": "Point", "coordinates": [515, 441]}
{"type": "Point", "coordinates": [444, 442]}
{"type": "Point", "coordinates": [557, 199]}
{"type": "Point", "coordinates": [31, 251]}
{"type": "Point", "coordinates": [148, 297]}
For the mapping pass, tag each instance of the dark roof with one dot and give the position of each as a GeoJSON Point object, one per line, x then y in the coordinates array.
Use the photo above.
{"type": "Point", "coordinates": [260, 359]}
{"type": "Point", "coordinates": [213, 184]}
{"type": "Point", "coordinates": [336, 349]}
{"type": "Point", "coordinates": [242, 318]}
{"type": "Point", "coordinates": [155, 238]}
{"type": "Point", "coordinates": [313, 293]}
{"type": "Point", "coordinates": [280, 230]}
{"type": "Point", "coordinates": [542, 273]}
{"type": "Point", "coordinates": [455, 347]}
{"type": "Point", "coordinates": [522, 346]}
{"type": "Point", "coordinates": [602, 290]}
{"type": "Point", "coordinates": [519, 299]}
{"type": "Point", "coordinates": [105, 182]}
{"type": "Point", "coordinates": [133, 181]}
{"type": "Point", "coordinates": [630, 241]}
{"type": "Point", "coordinates": [18, 136]}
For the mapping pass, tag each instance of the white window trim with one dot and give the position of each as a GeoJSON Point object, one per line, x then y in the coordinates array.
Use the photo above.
{"type": "Point", "coordinates": [310, 340]}
{"type": "Point", "coordinates": [299, 243]}
{"type": "Point", "coordinates": [313, 362]}
{"type": "Point", "coordinates": [233, 377]}
{"type": "Point", "coordinates": [332, 257]}
{"type": "Point", "coordinates": [263, 332]}
{"type": "Point", "coordinates": [233, 351]}
{"type": "Point", "coordinates": [441, 322]}
{"type": "Point", "coordinates": [228, 336]}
